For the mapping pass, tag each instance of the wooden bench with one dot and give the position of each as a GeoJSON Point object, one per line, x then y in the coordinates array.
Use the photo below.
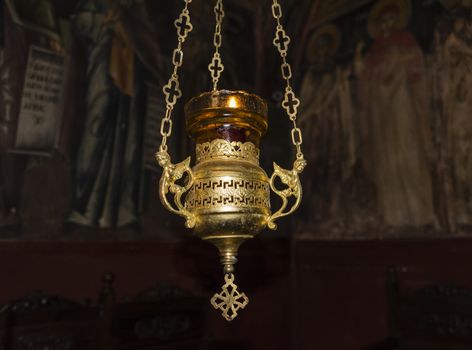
{"type": "Point", "coordinates": [161, 317]}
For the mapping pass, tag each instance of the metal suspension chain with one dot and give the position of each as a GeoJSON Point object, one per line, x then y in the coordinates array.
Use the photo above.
{"type": "Point", "coordinates": [216, 66]}
{"type": "Point", "coordinates": [290, 102]}
{"type": "Point", "coordinates": [172, 90]}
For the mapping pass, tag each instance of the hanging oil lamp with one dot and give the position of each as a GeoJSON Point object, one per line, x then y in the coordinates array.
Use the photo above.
{"type": "Point", "coordinates": [225, 197]}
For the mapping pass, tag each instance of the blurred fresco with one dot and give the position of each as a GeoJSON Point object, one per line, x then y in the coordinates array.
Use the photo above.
{"type": "Point", "coordinates": [385, 93]}
{"type": "Point", "coordinates": [385, 112]}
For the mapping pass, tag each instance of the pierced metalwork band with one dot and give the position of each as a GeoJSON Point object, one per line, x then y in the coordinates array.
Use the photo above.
{"type": "Point", "coordinates": [221, 192]}
{"type": "Point", "coordinates": [222, 149]}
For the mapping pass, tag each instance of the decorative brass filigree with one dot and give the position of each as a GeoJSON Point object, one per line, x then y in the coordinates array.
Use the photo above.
{"type": "Point", "coordinates": [171, 174]}
{"type": "Point", "coordinates": [227, 194]}
{"type": "Point", "coordinates": [294, 189]}
{"type": "Point", "coordinates": [171, 90]}
{"type": "Point", "coordinates": [216, 66]}
{"type": "Point", "coordinates": [229, 300]}
{"type": "Point", "coordinates": [237, 192]}
{"type": "Point", "coordinates": [219, 148]}
{"type": "Point", "coordinates": [290, 102]}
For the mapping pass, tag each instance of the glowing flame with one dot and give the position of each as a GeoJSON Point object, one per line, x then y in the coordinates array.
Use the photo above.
{"type": "Point", "coordinates": [233, 102]}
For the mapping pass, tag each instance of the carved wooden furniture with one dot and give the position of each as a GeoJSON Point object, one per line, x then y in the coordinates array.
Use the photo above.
{"type": "Point", "coordinates": [438, 317]}
{"type": "Point", "coordinates": [40, 321]}
{"type": "Point", "coordinates": [161, 317]}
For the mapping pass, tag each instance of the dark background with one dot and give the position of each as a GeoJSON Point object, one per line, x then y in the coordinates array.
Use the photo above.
{"type": "Point", "coordinates": [316, 293]}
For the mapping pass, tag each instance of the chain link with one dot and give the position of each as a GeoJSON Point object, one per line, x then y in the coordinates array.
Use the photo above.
{"type": "Point", "coordinates": [216, 66]}
{"type": "Point", "coordinates": [172, 90]}
{"type": "Point", "coordinates": [290, 102]}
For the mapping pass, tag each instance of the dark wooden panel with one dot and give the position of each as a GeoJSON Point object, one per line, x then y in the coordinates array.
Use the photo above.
{"type": "Point", "coordinates": [341, 286]}
{"type": "Point", "coordinates": [74, 270]}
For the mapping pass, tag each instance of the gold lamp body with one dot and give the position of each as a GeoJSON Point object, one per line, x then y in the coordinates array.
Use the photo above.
{"type": "Point", "coordinates": [225, 197]}
{"type": "Point", "coordinates": [230, 196]}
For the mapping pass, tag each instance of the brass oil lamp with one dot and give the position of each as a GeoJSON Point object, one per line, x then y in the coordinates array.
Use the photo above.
{"type": "Point", "coordinates": [225, 197]}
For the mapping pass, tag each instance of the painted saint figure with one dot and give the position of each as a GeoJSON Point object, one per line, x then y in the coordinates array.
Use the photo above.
{"type": "Point", "coordinates": [326, 120]}
{"type": "Point", "coordinates": [396, 136]}
{"type": "Point", "coordinates": [451, 67]}
{"type": "Point", "coordinates": [108, 167]}
{"type": "Point", "coordinates": [26, 23]}
{"type": "Point", "coordinates": [5, 107]}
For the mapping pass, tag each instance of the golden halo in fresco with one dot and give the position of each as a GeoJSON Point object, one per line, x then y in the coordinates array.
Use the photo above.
{"type": "Point", "coordinates": [331, 39]}
{"type": "Point", "coordinates": [401, 7]}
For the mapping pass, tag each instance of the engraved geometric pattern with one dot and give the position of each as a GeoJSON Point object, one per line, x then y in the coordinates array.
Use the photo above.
{"type": "Point", "coordinates": [220, 192]}
{"type": "Point", "coordinates": [229, 300]}
{"type": "Point", "coordinates": [219, 148]}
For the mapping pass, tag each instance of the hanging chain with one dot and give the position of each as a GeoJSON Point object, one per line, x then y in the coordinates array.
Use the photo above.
{"type": "Point", "coordinates": [290, 102]}
{"type": "Point", "coordinates": [172, 90]}
{"type": "Point", "coordinates": [216, 66]}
